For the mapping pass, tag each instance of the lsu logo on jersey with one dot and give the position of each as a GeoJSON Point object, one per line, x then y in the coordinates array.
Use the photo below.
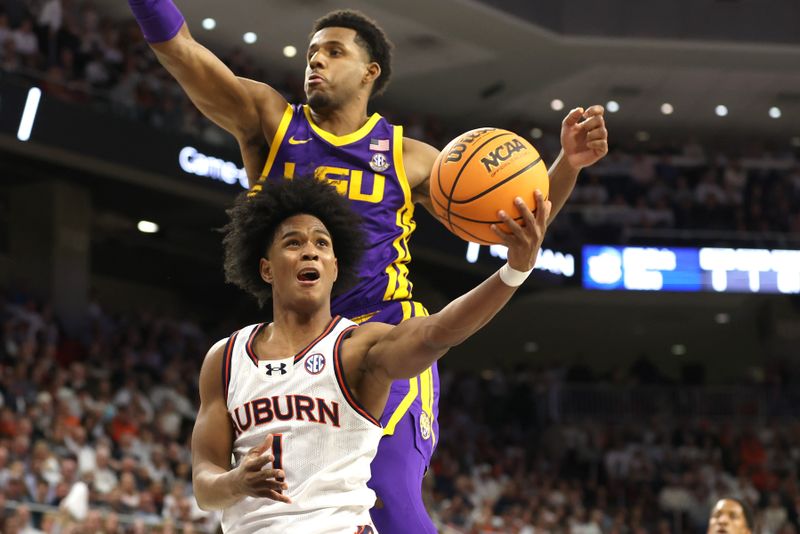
{"type": "Point", "coordinates": [315, 363]}
{"type": "Point", "coordinates": [424, 425]}
{"type": "Point", "coordinates": [350, 183]}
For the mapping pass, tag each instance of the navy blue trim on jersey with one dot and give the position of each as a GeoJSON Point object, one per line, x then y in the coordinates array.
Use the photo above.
{"type": "Point", "coordinates": [340, 379]}
{"type": "Point", "coordinates": [226, 363]}
{"type": "Point", "coordinates": [249, 345]}
{"type": "Point", "coordinates": [299, 356]}
{"type": "Point", "coordinates": [328, 330]}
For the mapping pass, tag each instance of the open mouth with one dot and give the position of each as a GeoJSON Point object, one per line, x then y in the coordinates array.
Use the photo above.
{"type": "Point", "coordinates": [309, 274]}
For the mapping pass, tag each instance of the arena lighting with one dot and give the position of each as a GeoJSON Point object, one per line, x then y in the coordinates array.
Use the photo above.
{"type": "Point", "coordinates": [775, 112]}
{"type": "Point", "coordinates": [548, 260]}
{"type": "Point", "coordinates": [713, 270]}
{"type": "Point", "coordinates": [530, 346]}
{"type": "Point", "coordinates": [678, 349]}
{"type": "Point", "coordinates": [721, 110]}
{"type": "Point", "coordinates": [536, 133]}
{"type": "Point", "coordinates": [209, 24]}
{"type": "Point", "coordinates": [289, 51]}
{"type": "Point", "coordinates": [556, 104]}
{"type": "Point", "coordinates": [29, 114]}
{"type": "Point", "coordinates": [147, 227]}
{"type": "Point", "coordinates": [612, 106]}
{"type": "Point", "coordinates": [642, 136]}
{"type": "Point", "coordinates": [722, 318]}
{"type": "Point", "coordinates": [795, 141]}
{"type": "Point", "coordinates": [197, 163]}
{"type": "Point", "coordinates": [666, 108]}
{"type": "Point", "coordinates": [250, 37]}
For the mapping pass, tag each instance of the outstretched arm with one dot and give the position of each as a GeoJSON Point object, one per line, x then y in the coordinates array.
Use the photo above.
{"type": "Point", "coordinates": [244, 108]}
{"type": "Point", "coordinates": [584, 141]}
{"type": "Point", "coordinates": [411, 347]}
{"type": "Point", "coordinates": [216, 485]}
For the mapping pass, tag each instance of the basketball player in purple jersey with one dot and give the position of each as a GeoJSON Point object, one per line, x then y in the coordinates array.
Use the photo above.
{"type": "Point", "coordinates": [382, 172]}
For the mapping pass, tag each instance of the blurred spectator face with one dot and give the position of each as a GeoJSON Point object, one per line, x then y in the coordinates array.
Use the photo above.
{"type": "Point", "coordinates": [15, 489]}
{"type": "Point", "coordinates": [112, 523]}
{"type": "Point", "coordinates": [93, 521]}
{"type": "Point", "coordinates": [728, 518]}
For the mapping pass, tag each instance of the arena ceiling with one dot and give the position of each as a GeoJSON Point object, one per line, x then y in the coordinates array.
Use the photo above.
{"type": "Point", "coordinates": [451, 53]}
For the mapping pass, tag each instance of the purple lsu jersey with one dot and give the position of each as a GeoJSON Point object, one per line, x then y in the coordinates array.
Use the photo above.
{"type": "Point", "coordinates": [366, 166]}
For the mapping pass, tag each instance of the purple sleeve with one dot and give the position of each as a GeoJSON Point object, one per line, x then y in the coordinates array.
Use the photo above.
{"type": "Point", "coordinates": [160, 20]}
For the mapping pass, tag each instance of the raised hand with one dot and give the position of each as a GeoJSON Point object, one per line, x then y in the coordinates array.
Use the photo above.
{"type": "Point", "coordinates": [523, 242]}
{"type": "Point", "coordinates": [584, 136]}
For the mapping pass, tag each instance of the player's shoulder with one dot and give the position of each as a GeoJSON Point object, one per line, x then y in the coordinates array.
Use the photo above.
{"type": "Point", "coordinates": [418, 160]}
{"type": "Point", "coordinates": [216, 352]}
{"type": "Point", "coordinates": [367, 334]}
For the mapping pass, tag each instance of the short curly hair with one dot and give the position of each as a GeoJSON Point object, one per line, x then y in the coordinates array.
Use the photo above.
{"type": "Point", "coordinates": [369, 35]}
{"type": "Point", "coordinates": [254, 219]}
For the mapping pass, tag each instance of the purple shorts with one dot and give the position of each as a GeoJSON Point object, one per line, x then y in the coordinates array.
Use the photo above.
{"type": "Point", "coordinates": [410, 418]}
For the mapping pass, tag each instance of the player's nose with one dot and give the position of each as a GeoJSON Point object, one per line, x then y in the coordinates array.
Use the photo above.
{"type": "Point", "coordinates": [309, 253]}
{"type": "Point", "coordinates": [315, 62]}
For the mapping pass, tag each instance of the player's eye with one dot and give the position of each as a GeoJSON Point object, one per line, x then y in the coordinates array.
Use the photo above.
{"type": "Point", "coordinates": [293, 243]}
{"type": "Point", "coordinates": [336, 52]}
{"type": "Point", "coordinates": [322, 242]}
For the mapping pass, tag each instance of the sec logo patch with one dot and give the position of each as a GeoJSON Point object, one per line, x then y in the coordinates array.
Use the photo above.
{"type": "Point", "coordinates": [315, 363]}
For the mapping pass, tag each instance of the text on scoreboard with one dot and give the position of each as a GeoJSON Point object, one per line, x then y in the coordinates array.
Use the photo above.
{"type": "Point", "coordinates": [720, 270]}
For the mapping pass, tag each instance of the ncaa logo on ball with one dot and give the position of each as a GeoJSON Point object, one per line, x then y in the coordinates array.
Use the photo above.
{"type": "Point", "coordinates": [424, 425]}
{"type": "Point", "coordinates": [315, 363]}
{"type": "Point", "coordinates": [379, 163]}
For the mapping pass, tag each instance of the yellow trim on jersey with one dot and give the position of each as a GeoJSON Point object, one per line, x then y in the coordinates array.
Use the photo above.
{"type": "Point", "coordinates": [399, 287]}
{"type": "Point", "coordinates": [364, 318]}
{"type": "Point", "coordinates": [419, 385]}
{"type": "Point", "coordinates": [426, 380]}
{"type": "Point", "coordinates": [341, 140]}
{"type": "Point", "coordinates": [275, 145]}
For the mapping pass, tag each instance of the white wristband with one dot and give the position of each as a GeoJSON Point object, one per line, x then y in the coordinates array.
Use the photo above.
{"type": "Point", "coordinates": [512, 277]}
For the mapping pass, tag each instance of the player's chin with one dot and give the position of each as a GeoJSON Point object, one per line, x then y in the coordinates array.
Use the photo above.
{"type": "Point", "coordinates": [317, 99]}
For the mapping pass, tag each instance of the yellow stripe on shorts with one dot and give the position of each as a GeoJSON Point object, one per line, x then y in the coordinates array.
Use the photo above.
{"type": "Point", "coordinates": [422, 384]}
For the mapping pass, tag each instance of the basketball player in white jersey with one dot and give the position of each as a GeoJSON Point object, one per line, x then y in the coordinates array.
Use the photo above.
{"type": "Point", "coordinates": [297, 401]}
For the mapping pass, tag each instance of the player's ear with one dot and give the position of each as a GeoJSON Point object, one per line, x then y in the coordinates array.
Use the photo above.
{"type": "Point", "coordinates": [335, 269]}
{"type": "Point", "coordinates": [373, 73]}
{"type": "Point", "coordinates": [265, 269]}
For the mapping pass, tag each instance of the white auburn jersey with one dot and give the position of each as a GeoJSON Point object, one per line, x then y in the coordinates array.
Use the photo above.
{"type": "Point", "coordinates": [323, 439]}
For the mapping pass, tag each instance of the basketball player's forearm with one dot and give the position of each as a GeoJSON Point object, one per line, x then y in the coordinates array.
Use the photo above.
{"type": "Point", "coordinates": [422, 341]}
{"type": "Point", "coordinates": [215, 488]}
{"type": "Point", "coordinates": [563, 177]}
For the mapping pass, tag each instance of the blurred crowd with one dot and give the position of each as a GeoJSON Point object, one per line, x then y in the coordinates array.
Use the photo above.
{"type": "Point", "coordinates": [97, 428]}
{"type": "Point", "coordinates": [94, 437]}
{"type": "Point", "coordinates": [503, 467]}
{"type": "Point", "coordinates": [82, 55]}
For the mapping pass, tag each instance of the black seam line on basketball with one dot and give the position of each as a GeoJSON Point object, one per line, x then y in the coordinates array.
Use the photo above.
{"type": "Point", "coordinates": [477, 238]}
{"type": "Point", "coordinates": [439, 182]}
{"type": "Point", "coordinates": [461, 170]}
{"type": "Point", "coordinates": [495, 186]}
{"type": "Point", "coordinates": [516, 219]}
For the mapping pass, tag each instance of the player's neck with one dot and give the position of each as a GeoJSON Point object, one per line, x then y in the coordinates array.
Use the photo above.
{"type": "Point", "coordinates": [342, 120]}
{"type": "Point", "coordinates": [291, 331]}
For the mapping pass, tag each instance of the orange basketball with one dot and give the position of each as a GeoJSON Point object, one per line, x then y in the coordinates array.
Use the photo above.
{"type": "Point", "coordinates": [481, 172]}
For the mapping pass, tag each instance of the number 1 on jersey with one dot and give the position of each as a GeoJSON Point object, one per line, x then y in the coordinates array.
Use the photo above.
{"type": "Point", "coordinates": [277, 451]}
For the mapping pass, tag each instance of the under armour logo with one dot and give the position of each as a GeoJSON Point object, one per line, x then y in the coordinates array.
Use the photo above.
{"type": "Point", "coordinates": [270, 369]}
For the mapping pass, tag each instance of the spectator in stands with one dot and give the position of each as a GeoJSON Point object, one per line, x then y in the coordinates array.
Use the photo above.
{"type": "Point", "coordinates": [731, 516]}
